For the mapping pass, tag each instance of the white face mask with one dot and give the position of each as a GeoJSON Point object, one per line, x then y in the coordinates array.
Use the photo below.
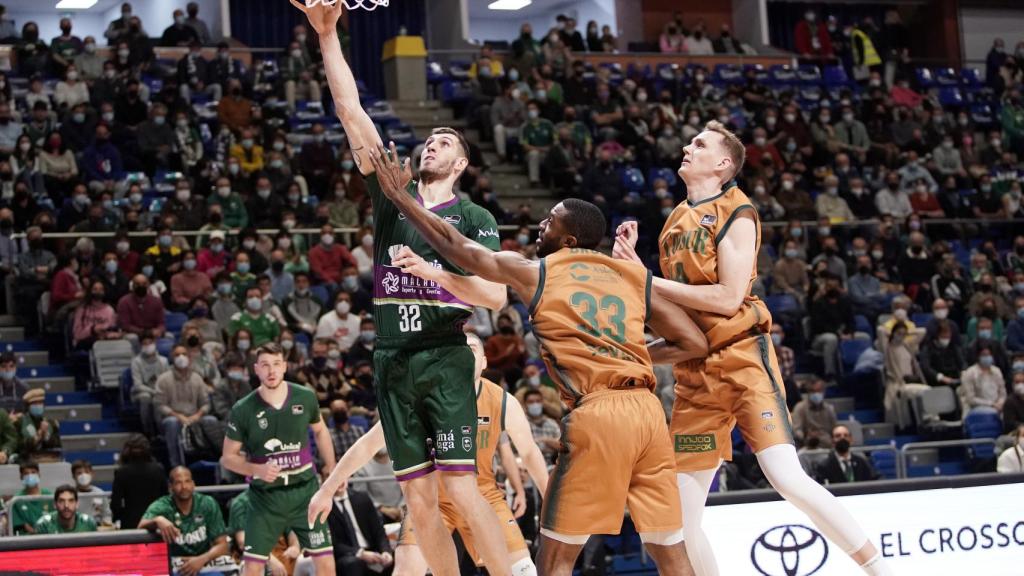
{"type": "Point", "coordinates": [84, 479]}
{"type": "Point", "coordinates": [900, 314]}
{"type": "Point", "coordinates": [941, 313]}
{"type": "Point", "coordinates": [342, 308]}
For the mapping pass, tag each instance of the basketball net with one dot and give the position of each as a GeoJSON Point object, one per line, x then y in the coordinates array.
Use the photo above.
{"type": "Point", "coordinates": [350, 4]}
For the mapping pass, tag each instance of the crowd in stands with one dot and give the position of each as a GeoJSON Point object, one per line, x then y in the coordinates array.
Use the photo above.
{"type": "Point", "coordinates": [847, 188]}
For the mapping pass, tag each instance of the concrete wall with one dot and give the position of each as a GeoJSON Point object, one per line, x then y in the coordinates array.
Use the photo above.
{"type": "Point", "coordinates": [980, 26]}
{"type": "Point", "coordinates": [506, 25]}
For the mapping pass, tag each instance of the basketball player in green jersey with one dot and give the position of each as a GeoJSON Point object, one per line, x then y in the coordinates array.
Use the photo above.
{"type": "Point", "coordinates": [271, 425]}
{"type": "Point", "coordinates": [423, 367]}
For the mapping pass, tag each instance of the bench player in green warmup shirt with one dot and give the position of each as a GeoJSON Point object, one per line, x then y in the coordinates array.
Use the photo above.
{"type": "Point", "coordinates": [422, 365]}
{"type": "Point", "coordinates": [271, 425]}
{"type": "Point", "coordinates": [66, 518]}
{"type": "Point", "coordinates": [191, 524]}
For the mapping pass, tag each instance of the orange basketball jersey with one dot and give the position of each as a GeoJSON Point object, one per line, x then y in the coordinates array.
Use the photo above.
{"type": "Point", "coordinates": [588, 313]}
{"type": "Point", "coordinates": [490, 423]}
{"type": "Point", "coordinates": [689, 254]}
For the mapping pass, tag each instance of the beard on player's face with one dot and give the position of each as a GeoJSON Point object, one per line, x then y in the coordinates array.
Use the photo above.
{"type": "Point", "coordinates": [437, 170]}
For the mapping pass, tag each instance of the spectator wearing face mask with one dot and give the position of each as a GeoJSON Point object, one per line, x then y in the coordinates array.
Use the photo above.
{"type": "Point", "coordinates": [262, 326]}
{"type": "Point", "coordinates": [982, 388]}
{"type": "Point", "coordinates": [904, 379]}
{"type": "Point", "coordinates": [146, 367]}
{"type": "Point", "coordinates": [235, 110]}
{"type": "Point", "coordinates": [25, 514]}
{"type": "Point", "coordinates": [831, 316]}
{"type": "Point", "coordinates": [94, 319]}
{"type": "Point", "coordinates": [842, 465]}
{"type": "Point", "coordinates": [199, 320]}
{"type": "Point", "coordinates": [96, 508]}
{"type": "Point", "coordinates": [188, 284]}
{"type": "Point", "coordinates": [545, 430]}
{"type": "Point", "coordinates": [322, 374]}
{"type": "Point", "coordinates": [340, 324]}
{"type": "Point", "coordinates": [224, 306]}
{"type": "Point", "coordinates": [531, 381]}
{"type": "Point", "coordinates": [181, 399]}
{"type": "Point", "coordinates": [344, 434]}
{"type": "Point", "coordinates": [328, 258]}
{"type": "Point", "coordinates": [942, 357]}
{"type": "Point", "coordinates": [12, 389]}
{"type": "Point", "coordinates": [165, 256]}
{"type": "Point", "coordinates": [362, 350]}
{"type": "Point", "coordinates": [1013, 409]}
{"type": "Point", "coordinates": [38, 436]}
{"type": "Point", "coordinates": [235, 385]}
{"type": "Point", "coordinates": [813, 418]}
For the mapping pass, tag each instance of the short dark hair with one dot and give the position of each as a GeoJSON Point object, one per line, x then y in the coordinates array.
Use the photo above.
{"type": "Point", "coordinates": [458, 136]}
{"type": "Point", "coordinates": [80, 464]}
{"type": "Point", "coordinates": [136, 449]}
{"type": "Point", "coordinates": [234, 360]}
{"type": "Point", "coordinates": [27, 465]}
{"type": "Point", "coordinates": [62, 489]}
{"type": "Point", "coordinates": [530, 393]}
{"type": "Point", "coordinates": [7, 357]}
{"type": "Point", "coordinates": [272, 348]}
{"type": "Point", "coordinates": [584, 221]}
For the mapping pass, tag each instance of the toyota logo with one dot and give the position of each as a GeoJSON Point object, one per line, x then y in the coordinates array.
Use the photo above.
{"type": "Point", "coordinates": [789, 550]}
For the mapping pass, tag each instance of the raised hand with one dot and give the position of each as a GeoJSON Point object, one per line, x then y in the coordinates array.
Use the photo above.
{"type": "Point", "coordinates": [414, 264]}
{"type": "Point", "coordinates": [623, 250]}
{"type": "Point", "coordinates": [629, 231]}
{"type": "Point", "coordinates": [393, 175]}
{"type": "Point", "coordinates": [322, 17]}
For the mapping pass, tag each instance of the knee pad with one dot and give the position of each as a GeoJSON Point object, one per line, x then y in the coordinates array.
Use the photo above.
{"type": "Point", "coordinates": [572, 539]}
{"type": "Point", "coordinates": [669, 538]}
{"type": "Point", "coordinates": [524, 567]}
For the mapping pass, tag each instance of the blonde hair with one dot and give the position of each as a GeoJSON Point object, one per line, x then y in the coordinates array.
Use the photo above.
{"type": "Point", "coordinates": [733, 147]}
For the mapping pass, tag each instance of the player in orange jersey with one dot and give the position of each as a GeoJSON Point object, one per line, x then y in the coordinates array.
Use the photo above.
{"type": "Point", "coordinates": [708, 248]}
{"type": "Point", "coordinates": [588, 311]}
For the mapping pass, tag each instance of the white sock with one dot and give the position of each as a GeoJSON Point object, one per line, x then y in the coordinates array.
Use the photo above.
{"type": "Point", "coordinates": [877, 566]}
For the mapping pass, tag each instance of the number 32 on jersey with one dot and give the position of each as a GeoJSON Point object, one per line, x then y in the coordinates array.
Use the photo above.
{"type": "Point", "coordinates": [410, 321]}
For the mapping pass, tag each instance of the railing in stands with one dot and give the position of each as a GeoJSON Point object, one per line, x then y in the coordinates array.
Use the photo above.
{"type": "Point", "coordinates": [912, 446]}
{"type": "Point", "coordinates": [863, 451]}
{"type": "Point", "coordinates": [218, 489]}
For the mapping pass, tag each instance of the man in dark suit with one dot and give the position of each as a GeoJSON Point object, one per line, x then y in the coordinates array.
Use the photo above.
{"type": "Point", "coordinates": [843, 465]}
{"type": "Point", "coordinates": [360, 545]}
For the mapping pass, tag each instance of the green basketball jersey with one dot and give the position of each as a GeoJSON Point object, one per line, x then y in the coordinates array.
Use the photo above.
{"type": "Point", "coordinates": [281, 435]}
{"type": "Point", "coordinates": [199, 529]}
{"type": "Point", "coordinates": [410, 312]}
{"type": "Point", "coordinates": [50, 524]}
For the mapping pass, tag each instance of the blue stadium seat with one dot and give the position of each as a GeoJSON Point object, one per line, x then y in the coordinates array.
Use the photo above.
{"type": "Point", "coordinates": [164, 346]}
{"type": "Point", "coordinates": [459, 69]}
{"type": "Point", "coordinates": [972, 77]}
{"type": "Point", "coordinates": [921, 319]}
{"type": "Point", "coordinates": [633, 179]}
{"type": "Point", "coordinates": [782, 75]}
{"type": "Point", "coordinates": [360, 421]}
{"type": "Point", "coordinates": [982, 425]}
{"type": "Point", "coordinates": [808, 74]}
{"type": "Point", "coordinates": [727, 74]}
{"type": "Point", "coordinates": [302, 339]}
{"type": "Point", "coordinates": [781, 304]}
{"type": "Point", "coordinates": [666, 174]}
{"type": "Point", "coordinates": [760, 73]}
{"type": "Point", "coordinates": [456, 92]}
{"type": "Point", "coordinates": [174, 321]}
{"type": "Point", "coordinates": [950, 97]}
{"type": "Point", "coordinates": [946, 77]}
{"type": "Point", "coordinates": [836, 76]}
{"type": "Point", "coordinates": [861, 324]}
{"type": "Point", "coordinates": [435, 73]}
{"type": "Point", "coordinates": [320, 292]}
{"type": "Point", "coordinates": [982, 115]}
{"type": "Point", "coordinates": [924, 77]}
{"type": "Point", "coordinates": [850, 351]}
{"type": "Point", "coordinates": [884, 462]}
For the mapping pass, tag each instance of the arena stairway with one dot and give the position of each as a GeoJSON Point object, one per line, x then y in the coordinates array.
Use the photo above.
{"type": "Point", "coordinates": [89, 428]}
{"type": "Point", "coordinates": [508, 180]}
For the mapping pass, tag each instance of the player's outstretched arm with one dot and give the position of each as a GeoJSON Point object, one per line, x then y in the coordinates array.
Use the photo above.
{"type": "Point", "coordinates": [505, 267]}
{"type": "Point", "coordinates": [355, 458]}
{"type": "Point", "coordinates": [518, 428]}
{"type": "Point", "coordinates": [362, 134]}
{"type": "Point", "coordinates": [515, 478]}
{"type": "Point", "coordinates": [736, 254]}
{"type": "Point", "coordinates": [470, 289]}
{"type": "Point", "coordinates": [682, 339]}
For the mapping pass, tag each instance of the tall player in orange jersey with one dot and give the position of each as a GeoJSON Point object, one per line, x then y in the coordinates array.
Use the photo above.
{"type": "Point", "coordinates": [708, 248]}
{"type": "Point", "coordinates": [588, 311]}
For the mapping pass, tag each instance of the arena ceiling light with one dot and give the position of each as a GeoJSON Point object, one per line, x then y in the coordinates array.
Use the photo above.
{"type": "Point", "coordinates": [509, 4]}
{"type": "Point", "coordinates": [76, 4]}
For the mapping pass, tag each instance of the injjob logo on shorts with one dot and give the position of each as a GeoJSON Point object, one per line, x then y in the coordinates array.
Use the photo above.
{"type": "Point", "coordinates": [688, 443]}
